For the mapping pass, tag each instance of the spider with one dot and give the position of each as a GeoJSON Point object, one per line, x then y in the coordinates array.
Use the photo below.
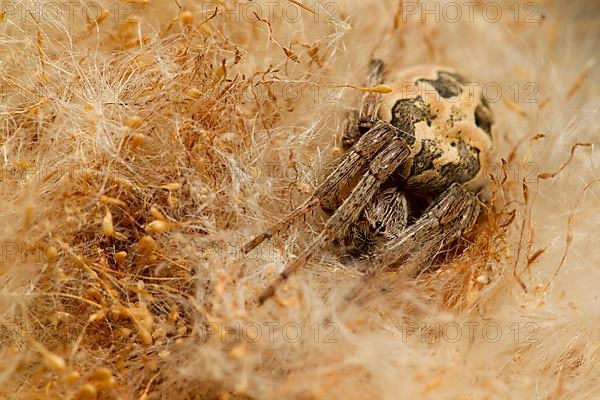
{"type": "Point", "coordinates": [426, 142]}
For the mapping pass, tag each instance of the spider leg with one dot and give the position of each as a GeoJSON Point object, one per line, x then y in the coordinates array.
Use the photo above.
{"type": "Point", "coordinates": [451, 213]}
{"type": "Point", "coordinates": [351, 133]}
{"type": "Point", "coordinates": [358, 122]}
{"type": "Point", "coordinates": [370, 101]}
{"type": "Point", "coordinates": [381, 222]}
{"type": "Point", "coordinates": [382, 166]}
{"type": "Point", "coordinates": [354, 162]}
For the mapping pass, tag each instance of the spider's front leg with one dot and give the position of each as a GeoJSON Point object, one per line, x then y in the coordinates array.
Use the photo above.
{"type": "Point", "coordinates": [451, 213]}
{"type": "Point", "coordinates": [354, 164]}
{"type": "Point", "coordinates": [359, 122]}
{"type": "Point", "coordinates": [393, 154]}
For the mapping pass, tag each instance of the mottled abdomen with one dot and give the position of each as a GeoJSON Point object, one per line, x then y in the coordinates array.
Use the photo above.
{"type": "Point", "coordinates": [446, 121]}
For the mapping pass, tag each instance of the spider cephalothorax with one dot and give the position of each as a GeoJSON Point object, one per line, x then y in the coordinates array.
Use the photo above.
{"type": "Point", "coordinates": [428, 139]}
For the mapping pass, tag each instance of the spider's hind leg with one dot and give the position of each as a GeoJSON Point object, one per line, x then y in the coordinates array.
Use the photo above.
{"type": "Point", "coordinates": [451, 213]}
{"type": "Point", "coordinates": [359, 122]}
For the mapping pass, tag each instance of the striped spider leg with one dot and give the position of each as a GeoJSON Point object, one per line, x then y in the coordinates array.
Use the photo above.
{"type": "Point", "coordinates": [452, 213]}
{"type": "Point", "coordinates": [381, 167]}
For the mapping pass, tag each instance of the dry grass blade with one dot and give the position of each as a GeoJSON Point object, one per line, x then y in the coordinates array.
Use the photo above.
{"type": "Point", "coordinates": [569, 236]}
{"type": "Point", "coordinates": [547, 175]}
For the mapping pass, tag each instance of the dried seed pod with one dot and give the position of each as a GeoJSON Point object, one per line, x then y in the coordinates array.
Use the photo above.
{"type": "Point", "coordinates": [103, 378]}
{"type": "Point", "coordinates": [186, 18]}
{"type": "Point", "coordinates": [137, 141]}
{"type": "Point", "coordinates": [52, 361]}
{"type": "Point", "coordinates": [86, 392]}
{"type": "Point", "coordinates": [71, 377]}
{"type": "Point", "coordinates": [194, 93]}
{"type": "Point", "coordinates": [107, 224]}
{"type": "Point", "coordinates": [134, 122]}
{"type": "Point", "coordinates": [158, 226]}
{"type": "Point", "coordinates": [51, 254]}
{"type": "Point", "coordinates": [156, 213]}
{"type": "Point", "coordinates": [146, 245]}
{"type": "Point", "coordinates": [120, 257]}
{"type": "Point", "coordinates": [171, 186]}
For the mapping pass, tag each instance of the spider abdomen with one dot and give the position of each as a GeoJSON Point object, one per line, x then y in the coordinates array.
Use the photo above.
{"type": "Point", "coordinates": [447, 122]}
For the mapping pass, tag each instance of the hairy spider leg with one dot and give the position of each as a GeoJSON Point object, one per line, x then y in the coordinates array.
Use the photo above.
{"type": "Point", "coordinates": [370, 101]}
{"type": "Point", "coordinates": [451, 213]}
{"type": "Point", "coordinates": [383, 165]}
{"type": "Point", "coordinates": [365, 118]}
{"type": "Point", "coordinates": [355, 162]}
